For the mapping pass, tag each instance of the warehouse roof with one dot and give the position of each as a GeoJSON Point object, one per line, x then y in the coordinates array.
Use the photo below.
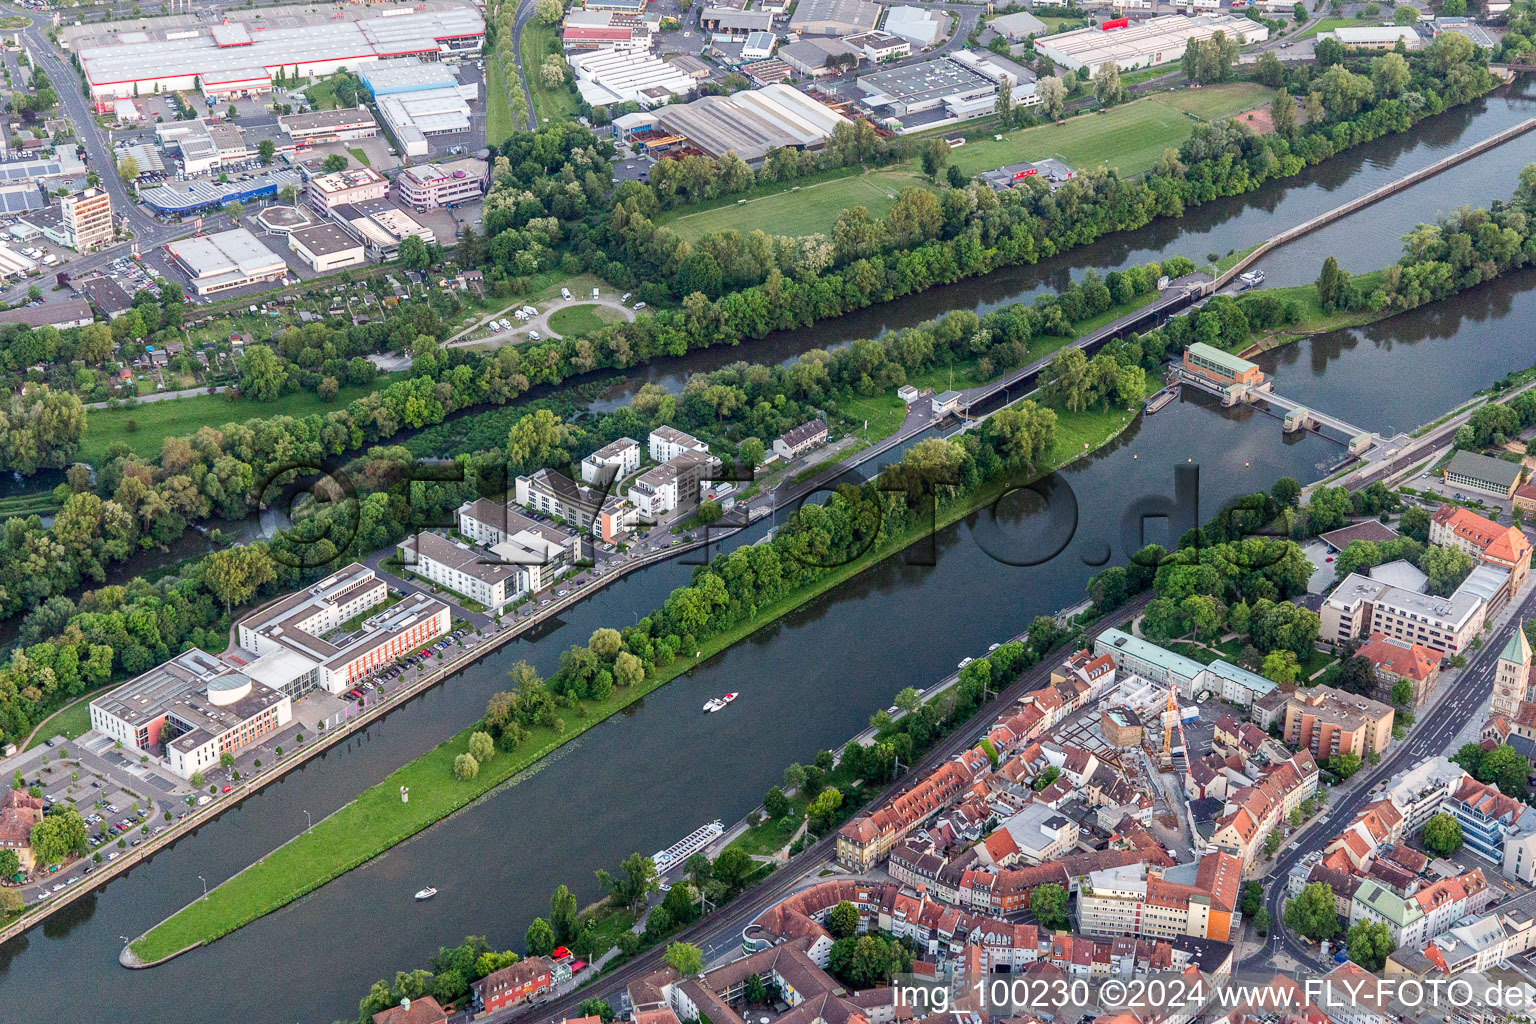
{"type": "Point", "coordinates": [752, 122]}
{"type": "Point", "coordinates": [324, 239]}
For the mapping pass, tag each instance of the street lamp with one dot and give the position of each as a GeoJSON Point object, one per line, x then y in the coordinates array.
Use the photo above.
{"type": "Point", "coordinates": [200, 878]}
{"type": "Point", "coordinates": [311, 821]}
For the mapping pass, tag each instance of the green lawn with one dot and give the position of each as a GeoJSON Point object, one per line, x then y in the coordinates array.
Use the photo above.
{"type": "Point", "coordinates": [583, 319]}
{"type": "Point", "coordinates": [71, 722]}
{"type": "Point", "coordinates": [1313, 319]}
{"type": "Point", "coordinates": [1128, 138]}
{"type": "Point", "coordinates": [145, 427]}
{"type": "Point", "coordinates": [377, 820]}
{"type": "Point", "coordinates": [808, 210]}
{"type": "Point", "coordinates": [322, 95]}
{"type": "Point", "coordinates": [360, 156]}
{"type": "Point", "coordinates": [1054, 25]}
{"type": "Point", "coordinates": [1329, 24]}
{"type": "Point", "coordinates": [552, 105]}
{"type": "Point", "coordinates": [500, 121]}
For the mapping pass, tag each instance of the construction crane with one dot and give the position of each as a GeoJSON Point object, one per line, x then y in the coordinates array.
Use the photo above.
{"type": "Point", "coordinates": [1169, 718]}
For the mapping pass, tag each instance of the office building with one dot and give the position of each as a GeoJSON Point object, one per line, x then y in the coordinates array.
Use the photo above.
{"type": "Point", "coordinates": [341, 124]}
{"type": "Point", "coordinates": [323, 636]}
{"type": "Point", "coordinates": [191, 711]}
{"type": "Point", "coordinates": [87, 219]}
{"type": "Point", "coordinates": [462, 569]}
{"type": "Point", "coordinates": [429, 186]}
{"type": "Point", "coordinates": [354, 185]}
{"type": "Point", "coordinates": [1198, 899]}
{"type": "Point", "coordinates": [229, 259]}
{"type": "Point", "coordinates": [381, 226]}
{"type": "Point", "coordinates": [1504, 547]}
{"type": "Point", "coordinates": [1360, 606]}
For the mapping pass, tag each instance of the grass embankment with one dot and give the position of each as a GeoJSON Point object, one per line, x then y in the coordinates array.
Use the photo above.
{"type": "Point", "coordinates": [145, 426]}
{"type": "Point", "coordinates": [71, 722]}
{"type": "Point", "coordinates": [360, 156]}
{"type": "Point", "coordinates": [584, 319]}
{"type": "Point", "coordinates": [377, 820]}
{"type": "Point", "coordinates": [1313, 320]}
{"type": "Point", "coordinates": [802, 209]}
{"type": "Point", "coordinates": [500, 122]}
{"type": "Point", "coordinates": [549, 104]}
{"type": "Point", "coordinates": [1128, 138]}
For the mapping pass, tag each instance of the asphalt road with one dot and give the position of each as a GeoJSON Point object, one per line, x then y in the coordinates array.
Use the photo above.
{"type": "Point", "coordinates": [723, 928]}
{"type": "Point", "coordinates": [1429, 738]}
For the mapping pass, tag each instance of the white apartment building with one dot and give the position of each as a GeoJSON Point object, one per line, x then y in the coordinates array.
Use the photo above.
{"type": "Point", "coordinates": [612, 462]}
{"type": "Point", "coordinates": [667, 443]}
{"type": "Point", "coordinates": [672, 485]}
{"type": "Point", "coordinates": [537, 549]}
{"type": "Point", "coordinates": [1360, 606]}
{"type": "Point", "coordinates": [475, 574]}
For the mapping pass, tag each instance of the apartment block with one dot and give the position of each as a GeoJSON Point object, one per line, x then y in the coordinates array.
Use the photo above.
{"type": "Point", "coordinates": [87, 219]}
{"type": "Point", "coordinates": [1505, 547]}
{"type": "Point", "coordinates": [1329, 722]}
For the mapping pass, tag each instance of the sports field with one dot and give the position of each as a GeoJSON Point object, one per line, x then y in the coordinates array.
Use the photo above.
{"type": "Point", "coordinates": [811, 209]}
{"type": "Point", "coordinates": [1128, 138]}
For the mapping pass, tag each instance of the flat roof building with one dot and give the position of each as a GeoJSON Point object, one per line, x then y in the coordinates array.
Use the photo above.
{"type": "Point", "coordinates": [607, 77]}
{"type": "Point", "coordinates": [329, 125]}
{"type": "Point", "coordinates": [429, 186]}
{"type": "Point", "coordinates": [190, 711]}
{"type": "Point", "coordinates": [156, 55]}
{"type": "Point", "coordinates": [1330, 722]}
{"type": "Point", "coordinates": [818, 56]}
{"type": "Point", "coordinates": [1149, 43]}
{"type": "Point", "coordinates": [1360, 606]}
{"type": "Point", "coordinates": [408, 74]}
{"type": "Point", "coordinates": [182, 198]}
{"type": "Point", "coordinates": [308, 639]}
{"type": "Point", "coordinates": [1374, 37]}
{"type": "Point", "coordinates": [353, 185]}
{"type": "Point", "coordinates": [414, 117]}
{"type": "Point", "coordinates": [834, 17]}
{"type": "Point", "coordinates": [229, 259]}
{"type": "Point", "coordinates": [87, 219]}
{"type": "Point", "coordinates": [326, 247]}
{"type": "Point", "coordinates": [917, 25]}
{"type": "Point", "coordinates": [381, 226]}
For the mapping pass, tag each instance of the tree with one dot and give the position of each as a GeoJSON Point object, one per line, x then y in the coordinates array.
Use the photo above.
{"type": "Point", "coordinates": [776, 803]}
{"type": "Point", "coordinates": [1332, 286]}
{"type": "Point", "coordinates": [1282, 111]}
{"type": "Point", "coordinates": [1252, 898]}
{"type": "Point", "coordinates": [821, 811]}
{"type": "Point", "coordinates": [709, 511]}
{"type": "Point", "coordinates": [733, 867]}
{"type": "Point", "coordinates": [549, 12]}
{"type": "Point", "coordinates": [562, 913]}
{"type": "Point", "coordinates": [1053, 97]}
{"type": "Point", "coordinates": [128, 169]}
{"type": "Point", "coordinates": [10, 864]}
{"type": "Point", "coordinates": [1442, 835]}
{"type": "Point", "coordinates": [756, 992]}
{"type": "Point", "coordinates": [1261, 921]}
{"type": "Point", "coordinates": [1358, 675]}
{"type": "Point", "coordinates": [540, 938]}
{"type": "Point", "coordinates": [908, 699]}
{"type": "Point", "coordinates": [226, 760]}
{"type": "Point", "coordinates": [333, 163]}
{"type": "Point", "coordinates": [1370, 943]}
{"type": "Point", "coordinates": [1346, 764]}
{"type": "Point", "coordinates": [685, 958]}
{"type": "Point", "coordinates": [1390, 73]}
{"type": "Point", "coordinates": [636, 881]}
{"type": "Point", "coordinates": [1106, 84]}
{"type": "Point", "coordinates": [1505, 768]}
{"type": "Point", "coordinates": [751, 451]}
{"type": "Point", "coordinates": [867, 960]}
{"type": "Point", "coordinates": [935, 154]}
{"type": "Point", "coordinates": [594, 1007]}
{"type": "Point", "coordinates": [234, 575]}
{"type": "Point", "coordinates": [1313, 912]}
{"type": "Point", "coordinates": [262, 374]}
{"type": "Point", "coordinates": [1280, 667]}
{"type": "Point", "coordinates": [553, 71]}
{"type": "Point", "coordinates": [266, 149]}
{"type": "Point", "coordinates": [481, 747]}
{"type": "Point", "coordinates": [57, 836]}
{"type": "Point", "coordinates": [1405, 16]}
{"type": "Point", "coordinates": [1402, 693]}
{"type": "Point", "coordinates": [413, 253]}
{"type": "Point", "coordinates": [1048, 903]}
{"type": "Point", "coordinates": [465, 767]}
{"type": "Point", "coordinates": [843, 920]}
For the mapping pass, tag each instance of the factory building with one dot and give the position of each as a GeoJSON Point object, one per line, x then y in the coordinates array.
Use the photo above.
{"type": "Point", "coordinates": [607, 77]}
{"type": "Point", "coordinates": [834, 17]}
{"type": "Point", "coordinates": [1145, 44]}
{"type": "Point", "coordinates": [238, 58]}
{"type": "Point", "coordinates": [326, 247]}
{"type": "Point", "coordinates": [229, 259]}
{"type": "Point", "coordinates": [954, 87]}
{"type": "Point", "coordinates": [329, 125]}
{"type": "Point", "coordinates": [415, 116]}
{"type": "Point", "coordinates": [748, 123]}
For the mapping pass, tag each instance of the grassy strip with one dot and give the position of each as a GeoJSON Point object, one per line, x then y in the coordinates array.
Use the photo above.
{"type": "Point", "coordinates": [145, 427]}
{"type": "Point", "coordinates": [71, 721]}
{"type": "Point", "coordinates": [1312, 319]}
{"type": "Point", "coordinates": [551, 105]}
{"type": "Point", "coordinates": [584, 319]}
{"type": "Point", "coordinates": [377, 820]}
{"type": "Point", "coordinates": [500, 122]}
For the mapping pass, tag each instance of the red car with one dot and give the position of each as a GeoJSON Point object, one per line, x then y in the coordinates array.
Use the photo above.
{"type": "Point", "coordinates": [227, 788]}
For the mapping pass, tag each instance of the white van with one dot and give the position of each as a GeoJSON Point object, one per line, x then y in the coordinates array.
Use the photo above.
{"type": "Point", "coordinates": [565, 293]}
{"type": "Point", "coordinates": [506, 324]}
{"type": "Point", "coordinates": [594, 293]}
{"type": "Point", "coordinates": [533, 335]}
{"type": "Point", "coordinates": [494, 326]}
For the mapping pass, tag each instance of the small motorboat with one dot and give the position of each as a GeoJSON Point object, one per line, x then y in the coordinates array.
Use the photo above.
{"type": "Point", "coordinates": [715, 704]}
{"type": "Point", "coordinates": [727, 699]}
{"type": "Point", "coordinates": [426, 894]}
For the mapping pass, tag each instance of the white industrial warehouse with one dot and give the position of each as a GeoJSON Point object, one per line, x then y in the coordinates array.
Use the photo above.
{"type": "Point", "coordinates": [241, 57]}
{"type": "Point", "coordinates": [1144, 44]}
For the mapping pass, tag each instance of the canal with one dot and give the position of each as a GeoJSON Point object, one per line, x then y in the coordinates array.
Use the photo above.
{"type": "Point", "coordinates": [651, 774]}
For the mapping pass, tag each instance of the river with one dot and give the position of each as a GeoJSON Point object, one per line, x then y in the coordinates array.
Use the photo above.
{"type": "Point", "coordinates": [659, 769]}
